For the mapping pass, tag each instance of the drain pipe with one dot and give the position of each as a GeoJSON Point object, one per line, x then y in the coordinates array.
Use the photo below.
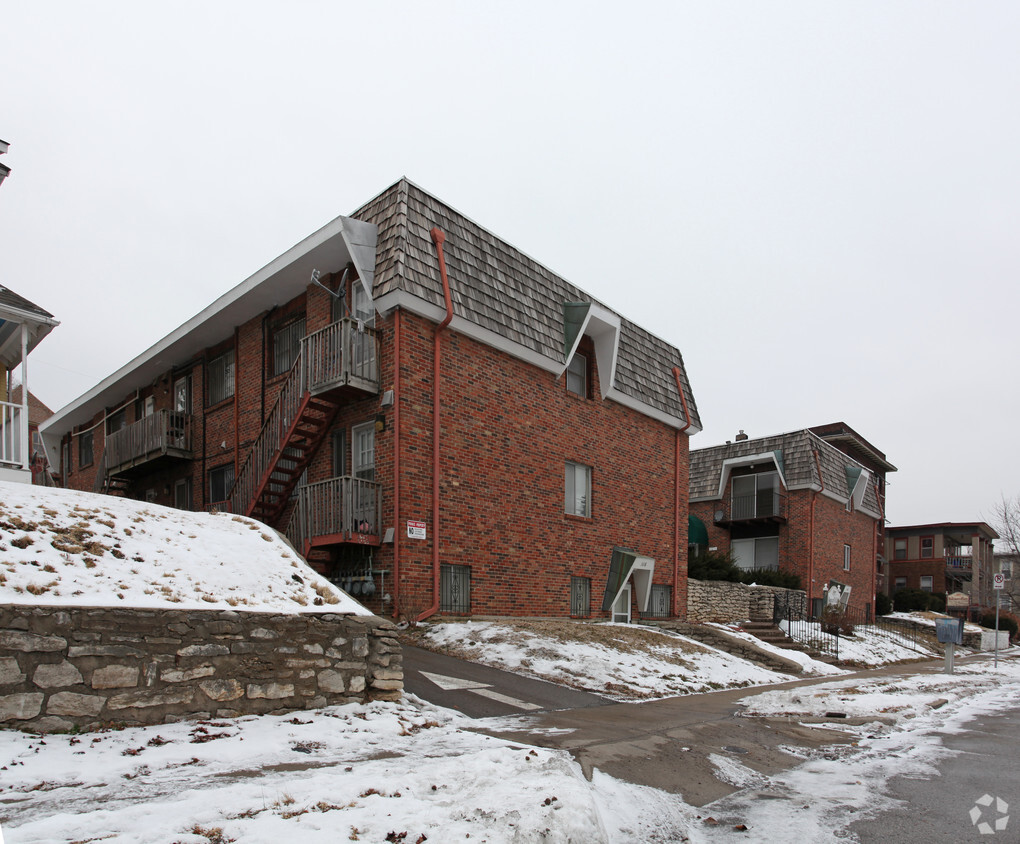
{"type": "Point", "coordinates": [437, 238]}
{"type": "Point", "coordinates": [676, 490]}
{"type": "Point", "coordinates": [396, 463]}
{"type": "Point", "coordinates": [811, 542]}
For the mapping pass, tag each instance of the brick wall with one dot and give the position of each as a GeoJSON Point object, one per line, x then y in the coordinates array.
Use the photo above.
{"type": "Point", "coordinates": [507, 430]}
{"type": "Point", "coordinates": [84, 667]}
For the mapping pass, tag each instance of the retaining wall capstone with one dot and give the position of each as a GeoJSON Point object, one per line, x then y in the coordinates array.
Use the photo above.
{"type": "Point", "coordinates": [723, 601]}
{"type": "Point", "coordinates": [71, 667]}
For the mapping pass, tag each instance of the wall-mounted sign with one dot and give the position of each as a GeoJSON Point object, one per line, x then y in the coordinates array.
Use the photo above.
{"type": "Point", "coordinates": [415, 530]}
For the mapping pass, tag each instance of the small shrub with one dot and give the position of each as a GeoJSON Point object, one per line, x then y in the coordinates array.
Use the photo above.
{"type": "Point", "coordinates": [770, 577]}
{"type": "Point", "coordinates": [917, 600]}
{"type": "Point", "coordinates": [883, 604]}
{"type": "Point", "coordinates": [834, 621]}
{"type": "Point", "coordinates": [1007, 621]}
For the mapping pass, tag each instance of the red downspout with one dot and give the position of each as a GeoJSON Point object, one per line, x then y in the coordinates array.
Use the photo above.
{"type": "Point", "coordinates": [811, 541]}
{"type": "Point", "coordinates": [396, 463]}
{"type": "Point", "coordinates": [437, 238]}
{"type": "Point", "coordinates": [676, 491]}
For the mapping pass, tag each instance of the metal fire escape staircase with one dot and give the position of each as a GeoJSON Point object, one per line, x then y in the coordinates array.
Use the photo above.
{"type": "Point", "coordinates": [297, 424]}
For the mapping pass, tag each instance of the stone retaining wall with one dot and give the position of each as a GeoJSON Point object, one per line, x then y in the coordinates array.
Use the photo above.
{"type": "Point", "coordinates": [84, 667]}
{"type": "Point", "coordinates": [723, 601]}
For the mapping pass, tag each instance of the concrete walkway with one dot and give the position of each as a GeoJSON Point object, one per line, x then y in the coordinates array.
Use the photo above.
{"type": "Point", "coordinates": [667, 743]}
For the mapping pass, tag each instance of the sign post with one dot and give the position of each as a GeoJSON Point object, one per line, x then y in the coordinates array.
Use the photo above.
{"type": "Point", "coordinates": [998, 582]}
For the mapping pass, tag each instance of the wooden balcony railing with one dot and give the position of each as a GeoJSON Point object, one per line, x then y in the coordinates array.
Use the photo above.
{"type": "Point", "coordinates": [165, 432]}
{"type": "Point", "coordinates": [338, 510]}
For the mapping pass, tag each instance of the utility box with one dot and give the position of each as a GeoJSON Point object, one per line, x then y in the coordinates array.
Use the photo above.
{"type": "Point", "coordinates": [949, 630]}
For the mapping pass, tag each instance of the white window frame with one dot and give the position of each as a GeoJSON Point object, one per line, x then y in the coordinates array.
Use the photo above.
{"type": "Point", "coordinates": [577, 375]}
{"type": "Point", "coordinates": [846, 557]}
{"type": "Point", "coordinates": [931, 583]}
{"type": "Point", "coordinates": [577, 474]}
{"type": "Point", "coordinates": [363, 459]}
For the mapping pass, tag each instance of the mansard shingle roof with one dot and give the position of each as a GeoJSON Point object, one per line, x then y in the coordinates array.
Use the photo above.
{"type": "Point", "coordinates": [499, 288]}
{"type": "Point", "coordinates": [801, 470]}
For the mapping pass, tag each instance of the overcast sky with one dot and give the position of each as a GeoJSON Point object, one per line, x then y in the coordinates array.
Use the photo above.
{"type": "Point", "coordinates": [816, 202]}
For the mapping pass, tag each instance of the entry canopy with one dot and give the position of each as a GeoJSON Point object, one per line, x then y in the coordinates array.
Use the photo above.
{"type": "Point", "coordinates": [626, 563]}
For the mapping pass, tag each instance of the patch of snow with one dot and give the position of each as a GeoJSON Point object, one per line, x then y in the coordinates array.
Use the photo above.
{"type": "Point", "coordinates": [60, 547]}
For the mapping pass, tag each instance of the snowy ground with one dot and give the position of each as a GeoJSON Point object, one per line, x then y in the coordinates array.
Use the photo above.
{"type": "Point", "coordinates": [60, 547]}
{"type": "Point", "coordinates": [619, 661]}
{"type": "Point", "coordinates": [410, 772]}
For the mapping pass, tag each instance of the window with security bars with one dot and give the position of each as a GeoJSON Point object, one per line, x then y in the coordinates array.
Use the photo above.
{"type": "Point", "coordinates": [659, 601]}
{"type": "Point", "coordinates": [455, 589]}
{"type": "Point", "coordinates": [221, 479]}
{"type": "Point", "coordinates": [220, 371]}
{"type": "Point", "coordinates": [287, 345]}
{"type": "Point", "coordinates": [580, 597]}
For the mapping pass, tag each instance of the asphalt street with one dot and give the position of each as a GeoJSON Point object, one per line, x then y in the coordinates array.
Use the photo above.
{"type": "Point", "coordinates": [942, 807]}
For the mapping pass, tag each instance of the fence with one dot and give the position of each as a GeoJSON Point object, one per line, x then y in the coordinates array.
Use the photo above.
{"type": "Point", "coordinates": [824, 632]}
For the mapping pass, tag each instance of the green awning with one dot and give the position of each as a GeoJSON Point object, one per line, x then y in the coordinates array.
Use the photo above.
{"type": "Point", "coordinates": [697, 533]}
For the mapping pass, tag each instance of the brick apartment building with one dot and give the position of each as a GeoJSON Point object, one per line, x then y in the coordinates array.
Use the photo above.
{"type": "Point", "coordinates": [795, 503]}
{"type": "Point", "coordinates": [437, 421]}
{"type": "Point", "coordinates": [946, 557]}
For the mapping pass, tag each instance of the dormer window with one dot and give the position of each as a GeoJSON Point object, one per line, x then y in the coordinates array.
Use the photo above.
{"type": "Point", "coordinates": [577, 375]}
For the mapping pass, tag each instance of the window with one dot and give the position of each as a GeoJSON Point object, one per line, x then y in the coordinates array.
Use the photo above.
{"type": "Point", "coordinates": [580, 597]}
{"type": "Point", "coordinates": [577, 490]}
{"type": "Point", "coordinates": [900, 549]}
{"type": "Point", "coordinates": [221, 377]}
{"type": "Point", "coordinates": [182, 493]}
{"type": "Point", "coordinates": [761, 552]}
{"type": "Point", "coordinates": [900, 583]}
{"type": "Point", "coordinates": [116, 421]}
{"type": "Point", "coordinates": [65, 459]}
{"type": "Point", "coordinates": [1006, 568]}
{"type": "Point", "coordinates": [363, 451]}
{"type": "Point", "coordinates": [182, 394]}
{"type": "Point", "coordinates": [926, 582]}
{"type": "Point", "coordinates": [85, 454]}
{"type": "Point", "coordinates": [221, 480]}
{"type": "Point", "coordinates": [927, 547]}
{"type": "Point", "coordinates": [577, 375]}
{"type": "Point", "coordinates": [287, 345]}
{"type": "Point", "coordinates": [148, 406]}
{"type": "Point", "coordinates": [755, 496]}
{"type": "Point", "coordinates": [340, 453]}
{"type": "Point", "coordinates": [659, 602]}
{"type": "Point", "coordinates": [846, 558]}
{"type": "Point", "coordinates": [455, 589]}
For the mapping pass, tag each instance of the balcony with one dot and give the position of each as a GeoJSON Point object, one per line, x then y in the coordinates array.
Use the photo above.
{"type": "Point", "coordinates": [344, 510]}
{"type": "Point", "coordinates": [12, 432]}
{"type": "Point", "coordinates": [165, 433]}
{"type": "Point", "coordinates": [340, 355]}
{"type": "Point", "coordinates": [959, 568]}
{"type": "Point", "coordinates": [765, 506]}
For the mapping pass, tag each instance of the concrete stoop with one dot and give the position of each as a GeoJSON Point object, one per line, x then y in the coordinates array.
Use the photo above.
{"type": "Point", "coordinates": [768, 632]}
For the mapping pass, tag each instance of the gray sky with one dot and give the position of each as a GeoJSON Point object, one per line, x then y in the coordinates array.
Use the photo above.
{"type": "Point", "coordinates": [816, 202]}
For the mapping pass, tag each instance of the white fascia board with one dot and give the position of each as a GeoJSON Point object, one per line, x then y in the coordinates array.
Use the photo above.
{"type": "Point", "coordinates": [731, 463]}
{"type": "Point", "coordinates": [419, 307]}
{"type": "Point", "coordinates": [18, 315]}
{"type": "Point", "coordinates": [641, 574]}
{"type": "Point", "coordinates": [275, 284]}
{"type": "Point", "coordinates": [603, 326]}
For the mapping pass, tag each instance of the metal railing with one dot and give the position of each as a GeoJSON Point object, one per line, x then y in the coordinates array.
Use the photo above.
{"type": "Point", "coordinates": [761, 505]}
{"type": "Point", "coordinates": [825, 632]}
{"type": "Point", "coordinates": [343, 507]}
{"type": "Point", "coordinates": [155, 435]}
{"type": "Point", "coordinates": [333, 356]}
{"type": "Point", "coordinates": [12, 434]}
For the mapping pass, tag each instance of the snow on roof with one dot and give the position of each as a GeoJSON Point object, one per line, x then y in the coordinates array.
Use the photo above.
{"type": "Point", "coordinates": [59, 547]}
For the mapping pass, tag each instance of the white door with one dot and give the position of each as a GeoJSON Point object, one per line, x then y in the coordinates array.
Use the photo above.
{"type": "Point", "coordinates": [363, 496]}
{"type": "Point", "coordinates": [621, 609]}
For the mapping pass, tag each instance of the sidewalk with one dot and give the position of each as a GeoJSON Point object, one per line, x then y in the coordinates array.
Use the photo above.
{"type": "Point", "coordinates": [667, 743]}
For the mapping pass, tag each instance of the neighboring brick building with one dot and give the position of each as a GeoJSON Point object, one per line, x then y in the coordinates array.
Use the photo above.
{"type": "Point", "coordinates": [847, 440]}
{"type": "Point", "coordinates": [37, 414]}
{"type": "Point", "coordinates": [947, 557]}
{"type": "Point", "coordinates": [437, 421]}
{"type": "Point", "coordinates": [795, 503]}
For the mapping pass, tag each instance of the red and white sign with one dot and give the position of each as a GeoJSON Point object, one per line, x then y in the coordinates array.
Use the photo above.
{"type": "Point", "coordinates": [415, 530]}
{"type": "Point", "coordinates": [999, 581]}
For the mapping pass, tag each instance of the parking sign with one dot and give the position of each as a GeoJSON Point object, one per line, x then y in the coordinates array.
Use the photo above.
{"type": "Point", "coordinates": [999, 581]}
